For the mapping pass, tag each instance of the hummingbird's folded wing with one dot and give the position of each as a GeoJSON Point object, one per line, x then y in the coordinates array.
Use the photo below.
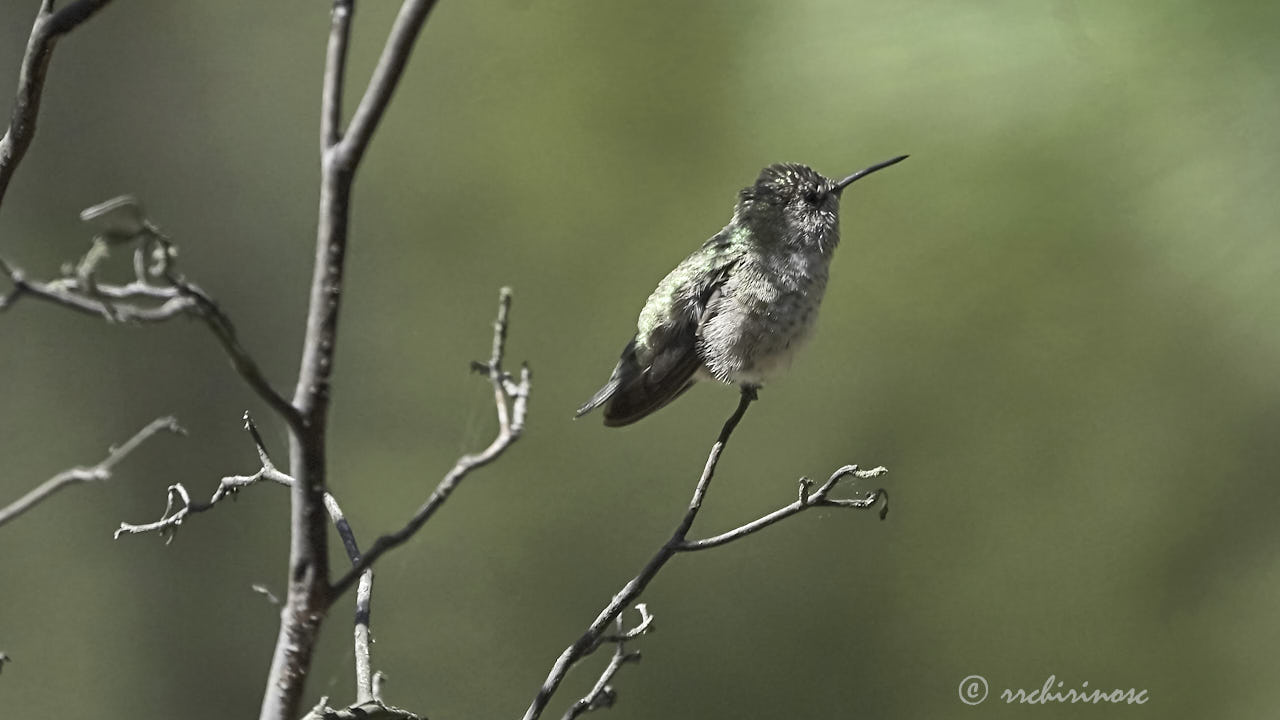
{"type": "Point", "coordinates": [647, 378]}
{"type": "Point", "coordinates": [642, 390]}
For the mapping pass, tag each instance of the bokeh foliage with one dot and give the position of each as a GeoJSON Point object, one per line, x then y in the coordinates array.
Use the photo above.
{"type": "Point", "coordinates": [1056, 324]}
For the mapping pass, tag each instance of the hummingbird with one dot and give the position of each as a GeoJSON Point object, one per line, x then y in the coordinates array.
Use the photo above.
{"type": "Point", "coordinates": [738, 308]}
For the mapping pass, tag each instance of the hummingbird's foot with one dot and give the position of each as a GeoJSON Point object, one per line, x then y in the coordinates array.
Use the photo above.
{"type": "Point", "coordinates": [751, 392]}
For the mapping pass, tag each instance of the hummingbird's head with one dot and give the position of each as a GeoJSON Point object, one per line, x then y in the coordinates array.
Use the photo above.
{"type": "Point", "coordinates": [795, 205]}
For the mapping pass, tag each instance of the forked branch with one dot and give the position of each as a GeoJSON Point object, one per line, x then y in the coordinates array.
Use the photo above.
{"type": "Point", "coordinates": [602, 695]}
{"type": "Point", "coordinates": [179, 505]}
{"type": "Point", "coordinates": [595, 634]}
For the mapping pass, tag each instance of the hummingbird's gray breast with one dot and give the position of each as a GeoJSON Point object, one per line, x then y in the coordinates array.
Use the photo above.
{"type": "Point", "coordinates": [763, 313]}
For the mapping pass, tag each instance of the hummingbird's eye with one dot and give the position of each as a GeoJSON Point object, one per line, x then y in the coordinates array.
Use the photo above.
{"type": "Point", "coordinates": [812, 197]}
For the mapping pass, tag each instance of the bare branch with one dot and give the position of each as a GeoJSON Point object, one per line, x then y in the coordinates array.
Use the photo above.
{"type": "Point", "coordinates": [365, 676]}
{"type": "Point", "coordinates": [178, 502]}
{"type": "Point", "coordinates": [265, 592]}
{"type": "Point", "coordinates": [143, 301]}
{"type": "Point", "coordinates": [225, 332]}
{"type": "Point", "coordinates": [123, 222]}
{"type": "Point", "coordinates": [602, 695]}
{"type": "Point", "coordinates": [335, 71]}
{"type": "Point", "coordinates": [309, 592]}
{"type": "Point", "coordinates": [178, 506]}
{"type": "Point", "coordinates": [386, 75]}
{"type": "Point", "coordinates": [591, 639]}
{"type": "Point", "coordinates": [101, 301]}
{"type": "Point", "coordinates": [99, 472]}
{"type": "Point", "coordinates": [807, 499]}
{"type": "Point", "coordinates": [50, 25]}
{"type": "Point", "coordinates": [642, 627]}
{"type": "Point", "coordinates": [511, 399]}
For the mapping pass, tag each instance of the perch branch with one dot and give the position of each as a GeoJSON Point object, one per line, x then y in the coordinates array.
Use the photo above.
{"type": "Point", "coordinates": [99, 472]}
{"type": "Point", "coordinates": [50, 25]}
{"type": "Point", "coordinates": [511, 399]}
{"type": "Point", "coordinates": [678, 542]}
{"type": "Point", "coordinates": [591, 639]}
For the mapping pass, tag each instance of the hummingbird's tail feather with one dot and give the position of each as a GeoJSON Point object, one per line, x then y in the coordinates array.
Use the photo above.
{"type": "Point", "coordinates": [625, 373]}
{"type": "Point", "coordinates": [601, 397]}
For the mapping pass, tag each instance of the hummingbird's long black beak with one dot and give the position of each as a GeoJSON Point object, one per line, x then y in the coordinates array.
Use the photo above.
{"type": "Point", "coordinates": [840, 186]}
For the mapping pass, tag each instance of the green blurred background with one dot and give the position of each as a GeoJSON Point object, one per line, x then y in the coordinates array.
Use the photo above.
{"type": "Point", "coordinates": [1056, 324]}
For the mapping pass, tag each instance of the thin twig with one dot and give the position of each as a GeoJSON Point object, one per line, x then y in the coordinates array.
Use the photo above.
{"type": "Point", "coordinates": [335, 72]}
{"type": "Point", "coordinates": [99, 472]}
{"type": "Point", "coordinates": [178, 502]}
{"type": "Point", "coordinates": [819, 498]}
{"type": "Point", "coordinates": [364, 600]}
{"type": "Point", "coordinates": [220, 324]}
{"type": "Point", "coordinates": [49, 26]}
{"type": "Point", "coordinates": [511, 399]}
{"type": "Point", "coordinates": [602, 694]}
{"type": "Point", "coordinates": [265, 592]}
